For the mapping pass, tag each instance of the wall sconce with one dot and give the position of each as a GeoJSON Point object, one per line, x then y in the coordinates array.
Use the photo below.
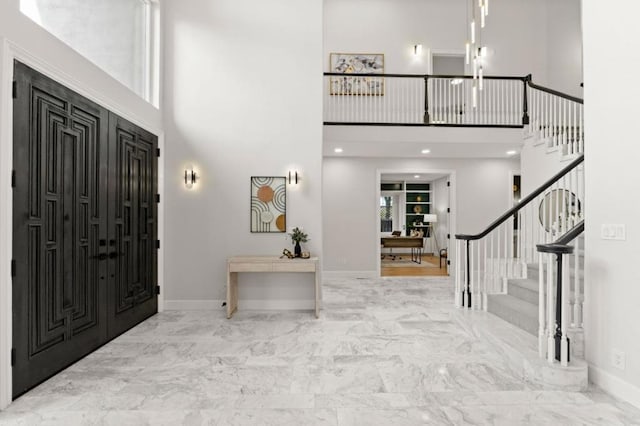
{"type": "Point", "coordinates": [293, 177]}
{"type": "Point", "coordinates": [417, 49]}
{"type": "Point", "coordinates": [190, 177]}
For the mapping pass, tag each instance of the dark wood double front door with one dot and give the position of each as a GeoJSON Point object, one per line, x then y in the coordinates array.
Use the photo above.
{"type": "Point", "coordinates": [84, 227]}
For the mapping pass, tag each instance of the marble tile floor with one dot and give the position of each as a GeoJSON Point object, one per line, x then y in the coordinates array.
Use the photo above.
{"type": "Point", "coordinates": [391, 351]}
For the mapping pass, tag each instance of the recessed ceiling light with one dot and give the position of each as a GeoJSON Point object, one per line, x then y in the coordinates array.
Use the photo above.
{"type": "Point", "coordinates": [511, 152]}
{"type": "Point", "coordinates": [337, 150]}
{"type": "Point", "coordinates": [417, 176]}
{"type": "Point", "coordinates": [425, 151]}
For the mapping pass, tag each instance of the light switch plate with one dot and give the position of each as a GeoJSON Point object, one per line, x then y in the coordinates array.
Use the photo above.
{"type": "Point", "coordinates": [613, 232]}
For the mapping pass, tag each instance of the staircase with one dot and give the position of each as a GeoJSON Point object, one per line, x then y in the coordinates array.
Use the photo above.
{"type": "Point", "coordinates": [500, 270]}
{"type": "Point", "coordinates": [520, 304]}
{"type": "Point", "coordinates": [503, 269]}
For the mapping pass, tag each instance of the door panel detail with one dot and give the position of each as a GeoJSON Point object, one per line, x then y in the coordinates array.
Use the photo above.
{"type": "Point", "coordinates": [69, 293]}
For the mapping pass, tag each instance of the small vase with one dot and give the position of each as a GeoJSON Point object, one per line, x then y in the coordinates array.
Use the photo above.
{"type": "Point", "coordinates": [297, 249]}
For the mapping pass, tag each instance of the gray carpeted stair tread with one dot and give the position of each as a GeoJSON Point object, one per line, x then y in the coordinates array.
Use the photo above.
{"type": "Point", "coordinates": [524, 289]}
{"type": "Point", "coordinates": [528, 283]}
{"type": "Point", "coordinates": [518, 312]}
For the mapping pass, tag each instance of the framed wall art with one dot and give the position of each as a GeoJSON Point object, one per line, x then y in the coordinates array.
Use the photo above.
{"type": "Point", "coordinates": [356, 63]}
{"type": "Point", "coordinates": [268, 204]}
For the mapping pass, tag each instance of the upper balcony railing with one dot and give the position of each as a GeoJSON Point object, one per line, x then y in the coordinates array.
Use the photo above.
{"type": "Point", "coordinates": [425, 100]}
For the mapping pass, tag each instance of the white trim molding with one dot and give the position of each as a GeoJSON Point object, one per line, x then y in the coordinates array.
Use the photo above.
{"type": "Point", "coordinates": [6, 221]}
{"type": "Point", "coordinates": [9, 51]}
{"type": "Point", "coordinates": [349, 274]}
{"type": "Point", "coordinates": [194, 305]}
{"type": "Point", "coordinates": [614, 385]}
{"type": "Point", "coordinates": [252, 305]}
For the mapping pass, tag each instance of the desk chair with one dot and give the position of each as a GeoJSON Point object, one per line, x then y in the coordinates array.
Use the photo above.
{"type": "Point", "coordinates": [443, 256]}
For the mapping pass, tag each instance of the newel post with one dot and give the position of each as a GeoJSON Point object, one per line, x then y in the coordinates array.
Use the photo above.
{"type": "Point", "coordinates": [559, 329]}
{"type": "Point", "coordinates": [525, 103]}
{"type": "Point", "coordinates": [426, 99]}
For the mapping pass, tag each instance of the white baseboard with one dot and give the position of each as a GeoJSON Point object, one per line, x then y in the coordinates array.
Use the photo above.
{"type": "Point", "coordinates": [614, 385]}
{"type": "Point", "coordinates": [349, 274]}
{"type": "Point", "coordinates": [254, 305]}
{"type": "Point", "coordinates": [192, 305]}
{"type": "Point", "coordinates": [278, 305]}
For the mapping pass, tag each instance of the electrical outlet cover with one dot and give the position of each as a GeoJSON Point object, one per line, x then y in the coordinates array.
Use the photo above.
{"type": "Point", "coordinates": [618, 359]}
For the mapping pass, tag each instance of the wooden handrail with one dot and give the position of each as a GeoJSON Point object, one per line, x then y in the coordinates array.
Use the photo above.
{"type": "Point", "coordinates": [466, 77]}
{"type": "Point", "coordinates": [560, 245]}
{"type": "Point", "coordinates": [554, 92]}
{"type": "Point", "coordinates": [575, 163]}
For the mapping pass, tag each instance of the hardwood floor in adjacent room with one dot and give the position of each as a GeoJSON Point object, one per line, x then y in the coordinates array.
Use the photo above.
{"type": "Point", "coordinates": [403, 267]}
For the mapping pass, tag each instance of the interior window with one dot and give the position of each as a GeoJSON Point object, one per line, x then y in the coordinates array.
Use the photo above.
{"type": "Point", "coordinates": [386, 214]}
{"type": "Point", "coordinates": [116, 35]}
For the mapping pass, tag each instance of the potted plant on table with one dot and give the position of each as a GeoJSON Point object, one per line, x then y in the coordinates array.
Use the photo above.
{"type": "Point", "coordinates": [298, 236]}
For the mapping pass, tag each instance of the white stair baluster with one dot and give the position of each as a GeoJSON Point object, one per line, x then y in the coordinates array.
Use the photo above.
{"type": "Point", "coordinates": [579, 296]}
{"type": "Point", "coordinates": [542, 332]}
{"type": "Point", "coordinates": [551, 312]}
{"type": "Point", "coordinates": [564, 344]}
{"type": "Point", "coordinates": [458, 262]}
{"type": "Point", "coordinates": [484, 296]}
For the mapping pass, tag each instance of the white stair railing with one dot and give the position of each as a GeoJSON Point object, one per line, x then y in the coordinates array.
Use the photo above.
{"type": "Point", "coordinates": [556, 119]}
{"type": "Point", "coordinates": [419, 100]}
{"type": "Point", "coordinates": [498, 101]}
{"type": "Point", "coordinates": [369, 99]}
{"type": "Point", "coordinates": [486, 260]}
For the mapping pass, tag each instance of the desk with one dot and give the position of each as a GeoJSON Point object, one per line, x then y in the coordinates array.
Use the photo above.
{"type": "Point", "coordinates": [267, 264]}
{"type": "Point", "coordinates": [416, 245]}
{"type": "Point", "coordinates": [429, 234]}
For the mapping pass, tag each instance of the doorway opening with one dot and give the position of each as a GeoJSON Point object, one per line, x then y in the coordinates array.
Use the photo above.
{"type": "Point", "coordinates": [447, 64]}
{"type": "Point", "coordinates": [414, 223]}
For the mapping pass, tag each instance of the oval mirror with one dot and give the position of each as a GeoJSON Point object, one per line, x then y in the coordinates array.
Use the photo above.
{"type": "Point", "coordinates": [559, 211]}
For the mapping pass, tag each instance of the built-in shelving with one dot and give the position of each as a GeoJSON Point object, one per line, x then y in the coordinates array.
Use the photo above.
{"type": "Point", "coordinates": [417, 204]}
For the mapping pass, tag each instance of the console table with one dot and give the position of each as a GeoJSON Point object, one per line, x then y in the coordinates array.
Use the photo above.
{"type": "Point", "coordinates": [267, 264]}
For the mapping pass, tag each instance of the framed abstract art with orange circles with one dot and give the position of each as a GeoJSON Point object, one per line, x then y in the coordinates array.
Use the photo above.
{"type": "Point", "coordinates": [268, 204]}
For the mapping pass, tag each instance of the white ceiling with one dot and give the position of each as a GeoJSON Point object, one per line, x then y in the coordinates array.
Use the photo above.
{"type": "Point", "coordinates": [408, 142]}
{"type": "Point", "coordinates": [411, 177]}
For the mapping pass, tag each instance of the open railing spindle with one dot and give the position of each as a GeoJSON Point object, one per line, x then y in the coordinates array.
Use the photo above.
{"type": "Point", "coordinates": [510, 242]}
{"type": "Point", "coordinates": [413, 100]}
{"type": "Point", "coordinates": [557, 119]}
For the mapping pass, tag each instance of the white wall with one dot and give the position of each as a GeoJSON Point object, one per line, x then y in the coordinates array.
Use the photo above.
{"type": "Point", "coordinates": [564, 46]}
{"type": "Point", "coordinates": [538, 165]}
{"type": "Point", "coordinates": [349, 202]}
{"type": "Point", "coordinates": [243, 98]}
{"type": "Point", "coordinates": [612, 174]}
{"type": "Point", "coordinates": [393, 28]}
{"type": "Point", "coordinates": [523, 36]}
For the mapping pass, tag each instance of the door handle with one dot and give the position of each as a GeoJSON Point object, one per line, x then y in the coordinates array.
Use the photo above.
{"type": "Point", "coordinates": [101, 256]}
